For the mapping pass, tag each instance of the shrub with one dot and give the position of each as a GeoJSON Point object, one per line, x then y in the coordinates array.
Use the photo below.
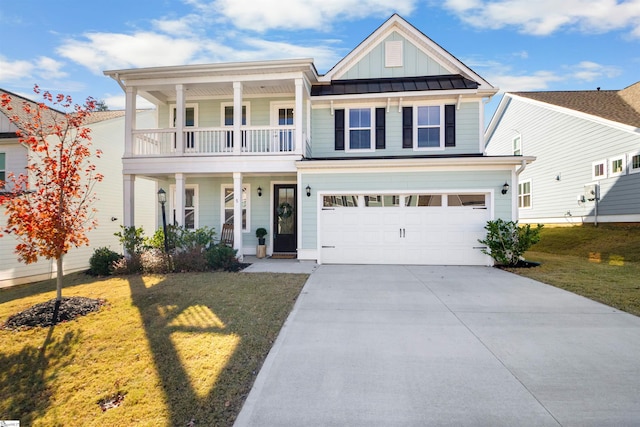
{"type": "Point", "coordinates": [192, 259]}
{"type": "Point", "coordinates": [181, 238]}
{"type": "Point", "coordinates": [507, 241]}
{"type": "Point", "coordinates": [222, 257]}
{"type": "Point", "coordinates": [102, 261]}
{"type": "Point", "coordinates": [132, 239]}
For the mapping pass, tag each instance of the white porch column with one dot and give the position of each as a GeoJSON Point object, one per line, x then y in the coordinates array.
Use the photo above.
{"type": "Point", "coordinates": [179, 201]}
{"type": "Point", "coordinates": [180, 106]}
{"type": "Point", "coordinates": [237, 214]}
{"type": "Point", "coordinates": [129, 120]}
{"type": "Point", "coordinates": [237, 118]}
{"type": "Point", "coordinates": [128, 199]}
{"type": "Point", "coordinates": [297, 117]}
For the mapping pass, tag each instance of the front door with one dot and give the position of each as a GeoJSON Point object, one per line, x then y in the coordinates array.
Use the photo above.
{"type": "Point", "coordinates": [284, 218]}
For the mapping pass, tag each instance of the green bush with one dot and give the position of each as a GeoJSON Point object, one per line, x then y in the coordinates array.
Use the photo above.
{"type": "Point", "coordinates": [507, 242]}
{"type": "Point", "coordinates": [132, 239]}
{"type": "Point", "coordinates": [222, 257]}
{"type": "Point", "coordinates": [192, 259]}
{"type": "Point", "coordinates": [102, 261]}
{"type": "Point", "coordinates": [181, 239]}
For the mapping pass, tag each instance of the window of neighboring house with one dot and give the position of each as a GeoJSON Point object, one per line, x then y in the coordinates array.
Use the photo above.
{"type": "Point", "coordinates": [617, 166]}
{"type": "Point", "coordinates": [227, 206]}
{"type": "Point", "coordinates": [227, 120]}
{"type": "Point", "coordinates": [190, 206]}
{"type": "Point", "coordinates": [517, 146]}
{"type": "Point", "coordinates": [3, 171]}
{"type": "Point", "coordinates": [428, 133]}
{"type": "Point", "coordinates": [599, 170]}
{"type": "Point", "coordinates": [524, 194]}
{"type": "Point", "coordinates": [359, 127]}
{"type": "Point", "coordinates": [190, 120]}
{"type": "Point", "coordinates": [634, 163]}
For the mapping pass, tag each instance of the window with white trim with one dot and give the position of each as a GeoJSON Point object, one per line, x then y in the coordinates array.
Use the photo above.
{"type": "Point", "coordinates": [517, 146]}
{"type": "Point", "coordinates": [617, 166]}
{"type": "Point", "coordinates": [428, 133]}
{"type": "Point", "coordinates": [190, 120]}
{"type": "Point", "coordinates": [360, 125]}
{"type": "Point", "coordinates": [524, 194]}
{"type": "Point", "coordinates": [227, 120]}
{"type": "Point", "coordinates": [190, 206]}
{"type": "Point", "coordinates": [228, 202]}
{"type": "Point", "coordinates": [634, 163]}
{"type": "Point", "coordinates": [599, 169]}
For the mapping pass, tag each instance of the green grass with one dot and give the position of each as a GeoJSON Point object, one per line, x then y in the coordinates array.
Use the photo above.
{"type": "Point", "coordinates": [180, 347]}
{"type": "Point", "coordinates": [601, 263]}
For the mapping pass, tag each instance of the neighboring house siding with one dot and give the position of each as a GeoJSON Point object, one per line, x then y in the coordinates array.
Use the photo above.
{"type": "Point", "coordinates": [415, 62]}
{"type": "Point", "coordinates": [467, 133]}
{"type": "Point", "coordinates": [565, 147]}
{"type": "Point", "coordinates": [396, 181]}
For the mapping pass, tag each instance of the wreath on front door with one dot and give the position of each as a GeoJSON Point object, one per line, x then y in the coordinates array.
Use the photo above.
{"type": "Point", "coordinates": [285, 210]}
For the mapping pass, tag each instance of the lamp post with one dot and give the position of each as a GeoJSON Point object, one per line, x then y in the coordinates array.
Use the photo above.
{"type": "Point", "coordinates": [162, 199]}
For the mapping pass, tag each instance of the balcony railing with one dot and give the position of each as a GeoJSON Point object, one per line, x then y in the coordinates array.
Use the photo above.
{"type": "Point", "coordinates": [216, 141]}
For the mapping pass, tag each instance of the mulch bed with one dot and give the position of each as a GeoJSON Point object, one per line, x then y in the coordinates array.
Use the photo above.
{"type": "Point", "coordinates": [47, 314]}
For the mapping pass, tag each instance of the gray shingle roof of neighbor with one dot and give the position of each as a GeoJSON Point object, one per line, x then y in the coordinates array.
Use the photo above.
{"type": "Point", "coordinates": [393, 84]}
{"type": "Point", "coordinates": [622, 106]}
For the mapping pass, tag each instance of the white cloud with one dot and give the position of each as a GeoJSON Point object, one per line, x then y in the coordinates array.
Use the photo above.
{"type": "Point", "coordinates": [49, 68]}
{"type": "Point", "coordinates": [15, 70]}
{"type": "Point", "coordinates": [588, 71]}
{"type": "Point", "coordinates": [539, 80]}
{"type": "Point", "coordinates": [104, 51]}
{"type": "Point", "coordinates": [543, 17]}
{"type": "Point", "coordinates": [305, 14]}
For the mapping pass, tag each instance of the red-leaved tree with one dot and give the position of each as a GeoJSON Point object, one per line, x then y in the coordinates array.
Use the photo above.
{"type": "Point", "coordinates": [49, 208]}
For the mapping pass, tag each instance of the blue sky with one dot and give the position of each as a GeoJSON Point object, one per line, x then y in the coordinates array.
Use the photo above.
{"type": "Point", "coordinates": [517, 45]}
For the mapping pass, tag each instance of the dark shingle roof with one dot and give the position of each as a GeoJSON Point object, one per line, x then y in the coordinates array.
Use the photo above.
{"type": "Point", "coordinates": [608, 104]}
{"type": "Point", "coordinates": [399, 84]}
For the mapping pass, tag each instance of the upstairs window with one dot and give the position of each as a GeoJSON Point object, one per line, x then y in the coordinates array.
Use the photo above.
{"type": "Point", "coordinates": [3, 171]}
{"type": "Point", "coordinates": [360, 132]}
{"type": "Point", "coordinates": [430, 127]}
{"type": "Point", "coordinates": [517, 146]}
{"type": "Point", "coordinates": [634, 163]}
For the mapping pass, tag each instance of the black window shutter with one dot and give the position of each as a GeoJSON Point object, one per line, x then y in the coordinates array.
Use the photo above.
{"type": "Point", "coordinates": [407, 127]}
{"type": "Point", "coordinates": [380, 128]}
{"type": "Point", "coordinates": [338, 116]}
{"type": "Point", "coordinates": [449, 125]}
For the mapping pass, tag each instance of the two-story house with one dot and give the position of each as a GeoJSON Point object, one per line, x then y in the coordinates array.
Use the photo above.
{"type": "Point", "coordinates": [587, 146]}
{"type": "Point", "coordinates": [380, 160]}
{"type": "Point", "coordinates": [107, 132]}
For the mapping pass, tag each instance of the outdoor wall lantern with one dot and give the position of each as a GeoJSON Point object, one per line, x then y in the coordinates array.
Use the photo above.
{"type": "Point", "coordinates": [259, 191]}
{"type": "Point", "coordinates": [505, 188]}
{"type": "Point", "coordinates": [162, 199]}
{"type": "Point", "coordinates": [308, 191]}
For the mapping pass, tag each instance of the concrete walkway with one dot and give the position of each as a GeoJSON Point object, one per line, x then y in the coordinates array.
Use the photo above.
{"type": "Point", "coordinates": [446, 346]}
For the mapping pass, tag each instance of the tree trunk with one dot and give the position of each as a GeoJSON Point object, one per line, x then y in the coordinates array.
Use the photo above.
{"type": "Point", "coordinates": [59, 279]}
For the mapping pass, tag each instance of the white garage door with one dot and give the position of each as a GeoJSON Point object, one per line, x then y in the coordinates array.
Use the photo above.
{"type": "Point", "coordinates": [430, 229]}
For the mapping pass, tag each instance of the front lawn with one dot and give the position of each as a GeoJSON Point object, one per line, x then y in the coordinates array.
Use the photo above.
{"type": "Point", "coordinates": [166, 350]}
{"type": "Point", "coordinates": [601, 263]}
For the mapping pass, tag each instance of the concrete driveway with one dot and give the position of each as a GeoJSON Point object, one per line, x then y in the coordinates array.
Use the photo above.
{"type": "Point", "coordinates": [446, 346]}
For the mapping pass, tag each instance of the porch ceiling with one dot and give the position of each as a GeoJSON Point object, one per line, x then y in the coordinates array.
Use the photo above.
{"type": "Point", "coordinates": [167, 93]}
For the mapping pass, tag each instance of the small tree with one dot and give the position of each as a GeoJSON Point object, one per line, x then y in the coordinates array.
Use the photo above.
{"type": "Point", "coordinates": [49, 208]}
{"type": "Point", "coordinates": [507, 242]}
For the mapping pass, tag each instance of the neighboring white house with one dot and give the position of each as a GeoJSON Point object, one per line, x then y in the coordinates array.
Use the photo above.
{"type": "Point", "coordinates": [378, 161]}
{"type": "Point", "coordinates": [107, 130]}
{"type": "Point", "coordinates": [587, 146]}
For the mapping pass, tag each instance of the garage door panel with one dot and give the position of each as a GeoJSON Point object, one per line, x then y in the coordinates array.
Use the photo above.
{"type": "Point", "coordinates": [428, 235]}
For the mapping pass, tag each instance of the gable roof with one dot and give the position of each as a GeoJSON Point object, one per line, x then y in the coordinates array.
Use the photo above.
{"type": "Point", "coordinates": [431, 48]}
{"type": "Point", "coordinates": [607, 104]}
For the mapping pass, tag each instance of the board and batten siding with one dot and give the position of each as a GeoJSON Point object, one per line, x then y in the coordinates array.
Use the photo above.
{"type": "Point", "coordinates": [399, 182]}
{"type": "Point", "coordinates": [468, 132]}
{"type": "Point", "coordinates": [415, 62]}
{"type": "Point", "coordinates": [565, 147]}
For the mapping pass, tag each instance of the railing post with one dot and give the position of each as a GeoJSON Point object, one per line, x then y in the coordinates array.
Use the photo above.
{"type": "Point", "coordinates": [179, 119]}
{"type": "Point", "coordinates": [237, 118]}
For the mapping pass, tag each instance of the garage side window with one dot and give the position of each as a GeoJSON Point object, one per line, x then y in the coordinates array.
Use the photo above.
{"type": "Point", "coordinates": [475, 200]}
{"type": "Point", "coordinates": [340, 201]}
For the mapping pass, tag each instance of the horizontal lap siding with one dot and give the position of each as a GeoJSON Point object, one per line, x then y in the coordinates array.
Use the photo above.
{"type": "Point", "coordinates": [398, 182]}
{"type": "Point", "coordinates": [467, 134]}
{"type": "Point", "coordinates": [566, 146]}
